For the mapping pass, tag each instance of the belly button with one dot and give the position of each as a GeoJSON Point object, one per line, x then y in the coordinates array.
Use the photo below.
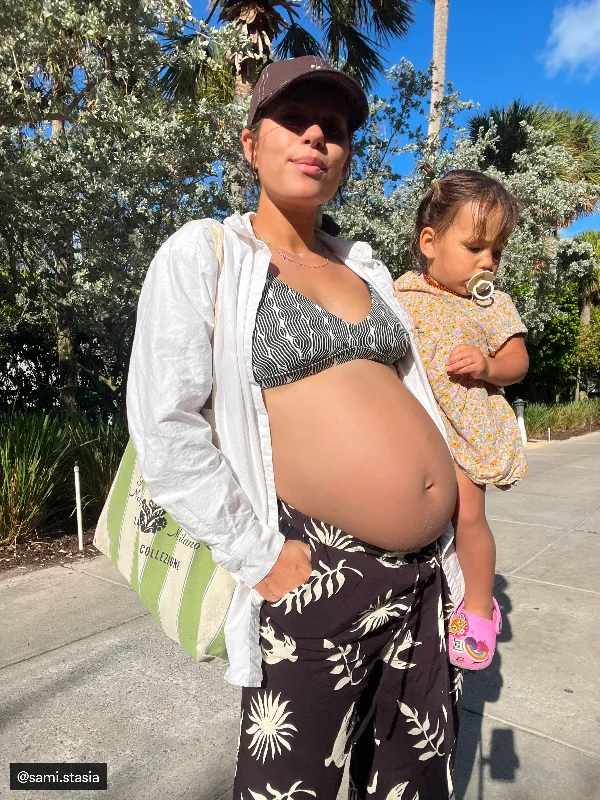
{"type": "Point", "coordinates": [429, 485]}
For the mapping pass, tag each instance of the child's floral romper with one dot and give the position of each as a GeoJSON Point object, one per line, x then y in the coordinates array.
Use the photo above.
{"type": "Point", "coordinates": [481, 426]}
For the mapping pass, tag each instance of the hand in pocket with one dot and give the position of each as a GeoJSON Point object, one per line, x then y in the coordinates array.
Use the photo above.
{"type": "Point", "coordinates": [292, 569]}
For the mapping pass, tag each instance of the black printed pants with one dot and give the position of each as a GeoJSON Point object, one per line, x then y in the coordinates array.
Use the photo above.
{"type": "Point", "coordinates": [355, 666]}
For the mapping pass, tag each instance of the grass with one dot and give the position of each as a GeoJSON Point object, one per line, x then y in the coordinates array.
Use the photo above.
{"type": "Point", "coordinates": [97, 446]}
{"type": "Point", "coordinates": [37, 456]}
{"type": "Point", "coordinates": [561, 417]}
{"type": "Point", "coordinates": [33, 449]}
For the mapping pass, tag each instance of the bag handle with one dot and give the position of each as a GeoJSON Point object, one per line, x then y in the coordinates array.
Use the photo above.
{"type": "Point", "coordinates": [218, 236]}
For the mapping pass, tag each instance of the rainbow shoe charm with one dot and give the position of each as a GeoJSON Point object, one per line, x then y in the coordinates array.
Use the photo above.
{"type": "Point", "coordinates": [472, 639]}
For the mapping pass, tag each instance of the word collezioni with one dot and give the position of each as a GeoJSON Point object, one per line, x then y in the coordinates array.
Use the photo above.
{"type": "Point", "coordinates": [166, 558]}
{"type": "Point", "coordinates": [159, 555]}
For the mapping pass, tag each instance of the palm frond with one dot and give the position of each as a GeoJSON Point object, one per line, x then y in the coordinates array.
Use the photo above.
{"type": "Point", "coordinates": [259, 18]}
{"type": "Point", "coordinates": [213, 7]}
{"type": "Point", "coordinates": [579, 133]}
{"type": "Point", "coordinates": [319, 10]}
{"type": "Point", "coordinates": [297, 41]}
{"type": "Point", "coordinates": [512, 137]}
{"type": "Point", "coordinates": [179, 41]}
{"type": "Point", "coordinates": [353, 51]}
{"type": "Point", "coordinates": [593, 238]}
{"type": "Point", "coordinates": [185, 80]}
{"type": "Point", "coordinates": [391, 19]}
{"type": "Point", "coordinates": [179, 82]}
{"type": "Point", "coordinates": [355, 12]}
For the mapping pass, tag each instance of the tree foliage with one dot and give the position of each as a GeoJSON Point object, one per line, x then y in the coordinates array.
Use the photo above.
{"type": "Point", "coordinates": [132, 163]}
{"type": "Point", "coordinates": [553, 360]}
{"type": "Point", "coordinates": [353, 33]}
{"type": "Point", "coordinates": [577, 131]}
{"type": "Point", "coordinates": [130, 166]}
{"type": "Point", "coordinates": [381, 203]}
{"type": "Point", "coordinates": [588, 353]}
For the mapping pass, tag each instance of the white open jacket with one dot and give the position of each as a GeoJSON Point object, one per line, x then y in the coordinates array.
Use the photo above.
{"type": "Point", "coordinates": [226, 497]}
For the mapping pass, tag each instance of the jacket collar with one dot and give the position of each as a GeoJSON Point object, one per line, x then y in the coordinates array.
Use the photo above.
{"type": "Point", "coordinates": [342, 248]}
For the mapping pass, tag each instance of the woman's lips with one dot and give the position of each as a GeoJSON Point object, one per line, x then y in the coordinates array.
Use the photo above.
{"type": "Point", "coordinates": [309, 166]}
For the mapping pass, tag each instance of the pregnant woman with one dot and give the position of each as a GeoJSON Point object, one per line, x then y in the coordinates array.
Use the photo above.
{"type": "Point", "coordinates": [329, 492]}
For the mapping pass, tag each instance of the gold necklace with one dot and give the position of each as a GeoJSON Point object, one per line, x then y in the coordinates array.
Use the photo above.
{"type": "Point", "coordinates": [293, 260]}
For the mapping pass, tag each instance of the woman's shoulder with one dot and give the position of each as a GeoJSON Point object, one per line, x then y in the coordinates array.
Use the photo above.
{"type": "Point", "coordinates": [191, 247]}
{"type": "Point", "coordinates": [193, 235]}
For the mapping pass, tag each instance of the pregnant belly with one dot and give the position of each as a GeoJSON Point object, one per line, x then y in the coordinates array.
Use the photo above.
{"type": "Point", "coordinates": [354, 448]}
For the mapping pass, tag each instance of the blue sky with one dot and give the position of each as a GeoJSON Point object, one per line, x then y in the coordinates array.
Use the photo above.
{"type": "Point", "coordinates": [533, 49]}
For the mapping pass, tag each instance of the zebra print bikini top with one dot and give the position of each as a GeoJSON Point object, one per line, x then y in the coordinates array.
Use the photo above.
{"type": "Point", "coordinates": [294, 337]}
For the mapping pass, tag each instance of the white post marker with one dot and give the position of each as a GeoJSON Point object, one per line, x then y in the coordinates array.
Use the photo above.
{"type": "Point", "coordinates": [548, 434]}
{"type": "Point", "coordinates": [78, 506]}
{"type": "Point", "coordinates": [520, 412]}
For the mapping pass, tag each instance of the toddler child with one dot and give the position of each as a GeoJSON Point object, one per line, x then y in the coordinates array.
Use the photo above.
{"type": "Point", "coordinates": [471, 339]}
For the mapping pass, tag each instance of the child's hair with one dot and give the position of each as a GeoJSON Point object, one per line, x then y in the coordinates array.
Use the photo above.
{"type": "Point", "coordinates": [441, 204]}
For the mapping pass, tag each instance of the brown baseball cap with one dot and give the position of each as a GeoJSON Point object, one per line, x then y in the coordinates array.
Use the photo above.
{"type": "Point", "coordinates": [276, 77]}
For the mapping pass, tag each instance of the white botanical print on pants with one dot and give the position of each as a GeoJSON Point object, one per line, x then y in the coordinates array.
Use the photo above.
{"type": "Point", "coordinates": [394, 559]}
{"type": "Point", "coordinates": [353, 670]}
{"type": "Point", "coordinates": [428, 739]}
{"type": "Point", "coordinates": [270, 730]}
{"type": "Point", "coordinates": [280, 649]}
{"type": "Point", "coordinates": [273, 794]}
{"type": "Point", "coordinates": [332, 537]}
{"type": "Point", "coordinates": [392, 654]}
{"type": "Point", "coordinates": [324, 583]}
{"type": "Point", "coordinates": [441, 624]}
{"type": "Point", "coordinates": [379, 613]}
{"type": "Point", "coordinates": [351, 664]}
{"type": "Point", "coordinates": [397, 793]}
{"type": "Point", "coordinates": [338, 754]}
{"type": "Point", "coordinates": [457, 683]}
{"type": "Point", "coordinates": [372, 788]}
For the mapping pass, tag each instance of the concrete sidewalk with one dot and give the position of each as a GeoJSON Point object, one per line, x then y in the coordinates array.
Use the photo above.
{"type": "Point", "coordinates": [81, 663]}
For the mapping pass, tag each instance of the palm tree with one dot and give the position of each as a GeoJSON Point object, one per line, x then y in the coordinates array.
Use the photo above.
{"type": "Point", "coordinates": [196, 80]}
{"type": "Point", "coordinates": [440, 38]}
{"type": "Point", "coordinates": [512, 137]}
{"type": "Point", "coordinates": [262, 23]}
{"type": "Point", "coordinates": [577, 131]}
{"type": "Point", "coordinates": [589, 293]}
{"type": "Point", "coordinates": [352, 33]}
{"type": "Point", "coordinates": [589, 287]}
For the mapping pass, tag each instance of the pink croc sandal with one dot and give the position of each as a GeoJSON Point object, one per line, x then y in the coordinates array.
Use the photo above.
{"type": "Point", "coordinates": [472, 639]}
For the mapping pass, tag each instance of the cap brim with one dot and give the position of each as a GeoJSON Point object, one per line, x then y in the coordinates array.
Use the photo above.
{"type": "Point", "coordinates": [357, 100]}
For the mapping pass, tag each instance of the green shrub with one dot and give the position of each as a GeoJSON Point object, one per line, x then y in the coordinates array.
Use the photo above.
{"type": "Point", "coordinates": [37, 456]}
{"type": "Point", "coordinates": [536, 418]}
{"type": "Point", "coordinates": [561, 417]}
{"type": "Point", "coordinates": [33, 449]}
{"type": "Point", "coordinates": [97, 446]}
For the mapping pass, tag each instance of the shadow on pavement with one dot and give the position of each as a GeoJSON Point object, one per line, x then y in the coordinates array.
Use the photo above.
{"type": "Point", "coordinates": [497, 755]}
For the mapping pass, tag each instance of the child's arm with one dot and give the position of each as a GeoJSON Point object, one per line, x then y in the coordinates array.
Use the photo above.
{"type": "Point", "coordinates": [509, 365]}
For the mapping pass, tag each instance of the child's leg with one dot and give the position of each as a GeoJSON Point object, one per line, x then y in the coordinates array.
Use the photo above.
{"type": "Point", "coordinates": [475, 546]}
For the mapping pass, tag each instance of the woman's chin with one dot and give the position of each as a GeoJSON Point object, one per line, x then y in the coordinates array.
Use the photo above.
{"type": "Point", "coordinates": [300, 197]}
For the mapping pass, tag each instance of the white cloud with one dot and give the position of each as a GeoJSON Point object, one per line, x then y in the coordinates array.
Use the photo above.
{"type": "Point", "coordinates": [574, 40]}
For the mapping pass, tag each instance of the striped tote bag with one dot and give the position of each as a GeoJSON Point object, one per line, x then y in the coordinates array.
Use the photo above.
{"type": "Point", "coordinates": [174, 575]}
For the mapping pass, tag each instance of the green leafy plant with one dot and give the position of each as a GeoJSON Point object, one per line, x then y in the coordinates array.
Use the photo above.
{"type": "Point", "coordinates": [33, 448]}
{"type": "Point", "coordinates": [97, 446]}
{"type": "Point", "coordinates": [561, 417]}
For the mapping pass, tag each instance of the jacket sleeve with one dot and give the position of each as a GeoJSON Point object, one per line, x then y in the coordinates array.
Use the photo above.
{"type": "Point", "coordinates": [170, 379]}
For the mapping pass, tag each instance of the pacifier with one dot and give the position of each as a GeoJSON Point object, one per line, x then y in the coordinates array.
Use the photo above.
{"type": "Point", "coordinates": [481, 285]}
